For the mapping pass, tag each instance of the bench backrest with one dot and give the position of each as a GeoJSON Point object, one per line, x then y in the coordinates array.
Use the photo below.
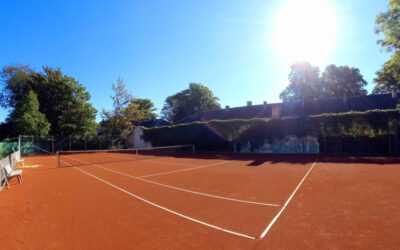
{"type": "Point", "coordinates": [8, 169]}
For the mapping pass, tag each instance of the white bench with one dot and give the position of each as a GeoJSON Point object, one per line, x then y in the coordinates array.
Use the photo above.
{"type": "Point", "coordinates": [18, 159]}
{"type": "Point", "coordinates": [11, 173]}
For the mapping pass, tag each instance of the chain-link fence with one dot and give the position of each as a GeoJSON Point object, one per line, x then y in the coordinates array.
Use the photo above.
{"type": "Point", "coordinates": [37, 145]}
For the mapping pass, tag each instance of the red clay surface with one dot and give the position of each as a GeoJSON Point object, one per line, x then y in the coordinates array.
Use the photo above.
{"type": "Point", "coordinates": [343, 203]}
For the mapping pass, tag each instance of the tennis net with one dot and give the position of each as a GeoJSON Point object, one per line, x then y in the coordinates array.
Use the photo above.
{"type": "Point", "coordinates": [90, 157]}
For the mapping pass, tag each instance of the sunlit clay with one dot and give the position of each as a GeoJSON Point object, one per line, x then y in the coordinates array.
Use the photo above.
{"type": "Point", "coordinates": [305, 30]}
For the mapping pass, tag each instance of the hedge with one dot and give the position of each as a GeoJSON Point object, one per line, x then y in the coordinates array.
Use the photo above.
{"type": "Point", "coordinates": [221, 134]}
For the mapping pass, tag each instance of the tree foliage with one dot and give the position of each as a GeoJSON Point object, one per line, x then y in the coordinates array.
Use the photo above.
{"type": "Point", "coordinates": [193, 100]}
{"type": "Point", "coordinates": [27, 117]}
{"type": "Point", "coordinates": [343, 81]}
{"type": "Point", "coordinates": [304, 83]}
{"type": "Point", "coordinates": [389, 76]}
{"type": "Point", "coordinates": [307, 84]}
{"type": "Point", "coordinates": [63, 100]}
{"type": "Point", "coordinates": [118, 123]}
{"type": "Point", "coordinates": [388, 24]}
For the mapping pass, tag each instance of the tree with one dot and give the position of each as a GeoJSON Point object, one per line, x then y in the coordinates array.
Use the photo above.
{"type": "Point", "coordinates": [194, 100]}
{"type": "Point", "coordinates": [389, 76]}
{"type": "Point", "coordinates": [27, 117]}
{"type": "Point", "coordinates": [388, 23]}
{"type": "Point", "coordinates": [63, 100]}
{"type": "Point", "coordinates": [304, 83]}
{"type": "Point", "coordinates": [118, 123]}
{"type": "Point", "coordinates": [342, 81]}
{"type": "Point", "coordinates": [7, 130]}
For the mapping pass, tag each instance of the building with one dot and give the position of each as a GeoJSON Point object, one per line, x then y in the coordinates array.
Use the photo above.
{"type": "Point", "coordinates": [277, 110]}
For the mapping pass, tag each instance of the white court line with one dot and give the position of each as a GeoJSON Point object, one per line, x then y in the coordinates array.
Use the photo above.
{"type": "Point", "coordinates": [166, 209]}
{"type": "Point", "coordinates": [170, 163]}
{"type": "Point", "coordinates": [180, 189]}
{"type": "Point", "coordinates": [186, 169]}
{"type": "Point", "coordinates": [287, 202]}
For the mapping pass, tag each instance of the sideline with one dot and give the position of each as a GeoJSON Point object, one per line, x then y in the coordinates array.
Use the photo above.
{"type": "Point", "coordinates": [286, 203]}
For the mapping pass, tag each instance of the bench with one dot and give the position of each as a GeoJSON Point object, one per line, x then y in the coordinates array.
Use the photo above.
{"type": "Point", "coordinates": [11, 173]}
{"type": "Point", "coordinates": [18, 159]}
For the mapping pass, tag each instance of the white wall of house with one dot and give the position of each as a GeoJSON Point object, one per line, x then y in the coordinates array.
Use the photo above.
{"type": "Point", "coordinates": [135, 139]}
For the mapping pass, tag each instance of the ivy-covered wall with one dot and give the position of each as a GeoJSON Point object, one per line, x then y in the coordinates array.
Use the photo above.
{"type": "Point", "coordinates": [219, 135]}
{"type": "Point", "coordinates": [287, 145]}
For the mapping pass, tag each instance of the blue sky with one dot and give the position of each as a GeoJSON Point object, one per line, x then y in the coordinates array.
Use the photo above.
{"type": "Point", "coordinates": [159, 47]}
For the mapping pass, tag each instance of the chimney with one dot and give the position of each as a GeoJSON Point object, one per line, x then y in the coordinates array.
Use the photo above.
{"type": "Point", "coordinates": [265, 103]}
{"type": "Point", "coordinates": [226, 107]}
{"type": "Point", "coordinates": [249, 103]}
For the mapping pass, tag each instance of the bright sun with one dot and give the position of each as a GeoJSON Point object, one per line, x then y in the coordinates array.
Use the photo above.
{"type": "Point", "coordinates": [305, 31]}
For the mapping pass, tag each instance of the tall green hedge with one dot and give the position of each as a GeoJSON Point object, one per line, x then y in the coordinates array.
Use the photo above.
{"type": "Point", "coordinates": [219, 134]}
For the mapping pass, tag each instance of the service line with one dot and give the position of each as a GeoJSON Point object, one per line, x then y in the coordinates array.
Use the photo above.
{"type": "Point", "coordinates": [163, 162]}
{"type": "Point", "coordinates": [187, 169]}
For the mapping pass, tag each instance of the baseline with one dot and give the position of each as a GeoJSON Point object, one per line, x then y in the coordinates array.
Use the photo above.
{"type": "Point", "coordinates": [177, 188]}
{"type": "Point", "coordinates": [286, 203]}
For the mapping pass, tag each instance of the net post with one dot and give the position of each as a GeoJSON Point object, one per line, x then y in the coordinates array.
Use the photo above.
{"type": "Point", "coordinates": [193, 149]}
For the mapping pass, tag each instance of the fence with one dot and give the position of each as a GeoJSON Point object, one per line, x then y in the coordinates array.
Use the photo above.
{"type": "Point", "coordinates": [36, 145]}
{"type": "Point", "coordinates": [6, 148]}
{"type": "Point", "coordinates": [379, 145]}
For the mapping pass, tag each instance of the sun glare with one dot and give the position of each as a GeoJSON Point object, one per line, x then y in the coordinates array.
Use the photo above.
{"type": "Point", "coordinates": [305, 31]}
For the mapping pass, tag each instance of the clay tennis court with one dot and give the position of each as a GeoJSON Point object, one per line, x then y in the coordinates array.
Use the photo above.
{"type": "Point", "coordinates": [109, 201]}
